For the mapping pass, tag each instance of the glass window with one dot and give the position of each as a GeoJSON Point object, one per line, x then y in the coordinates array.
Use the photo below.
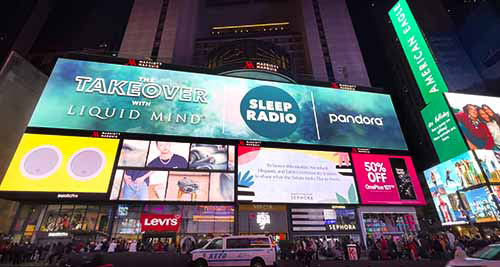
{"type": "Point", "coordinates": [129, 224]}
{"type": "Point", "coordinates": [238, 243]}
{"type": "Point", "coordinates": [24, 213]}
{"type": "Point", "coordinates": [63, 221]}
{"type": "Point", "coordinates": [103, 219]}
{"type": "Point", "coordinates": [215, 244]}
{"type": "Point", "coordinates": [91, 218]}
{"type": "Point", "coordinates": [49, 222]}
{"type": "Point", "coordinates": [77, 217]}
{"type": "Point", "coordinates": [259, 242]}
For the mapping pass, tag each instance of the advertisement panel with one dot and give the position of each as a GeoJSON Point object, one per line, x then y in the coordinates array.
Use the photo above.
{"type": "Point", "coordinates": [478, 118]}
{"type": "Point", "coordinates": [446, 179]}
{"type": "Point", "coordinates": [443, 130]}
{"type": "Point", "coordinates": [490, 163]}
{"type": "Point", "coordinates": [419, 56]}
{"type": "Point", "coordinates": [481, 205]}
{"type": "Point", "coordinates": [67, 164]}
{"type": "Point", "coordinates": [317, 219]}
{"type": "Point", "coordinates": [386, 179]}
{"type": "Point", "coordinates": [97, 96]}
{"type": "Point", "coordinates": [160, 222]}
{"type": "Point", "coordinates": [152, 170]}
{"type": "Point", "coordinates": [275, 175]}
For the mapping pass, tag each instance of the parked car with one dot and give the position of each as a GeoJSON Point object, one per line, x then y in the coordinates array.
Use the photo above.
{"type": "Point", "coordinates": [487, 257]}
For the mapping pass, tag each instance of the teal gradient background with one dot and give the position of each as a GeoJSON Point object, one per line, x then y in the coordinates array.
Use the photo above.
{"type": "Point", "coordinates": [221, 116]}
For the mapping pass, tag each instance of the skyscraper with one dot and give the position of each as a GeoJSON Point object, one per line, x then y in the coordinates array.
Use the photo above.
{"type": "Point", "coordinates": [318, 35]}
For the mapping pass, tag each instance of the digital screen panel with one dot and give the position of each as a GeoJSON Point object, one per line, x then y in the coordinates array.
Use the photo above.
{"type": "Point", "coordinates": [443, 130]}
{"type": "Point", "coordinates": [478, 118]}
{"type": "Point", "coordinates": [53, 163]}
{"type": "Point", "coordinates": [128, 99]}
{"type": "Point", "coordinates": [490, 163]}
{"type": "Point", "coordinates": [386, 179]}
{"type": "Point", "coordinates": [316, 219]}
{"type": "Point", "coordinates": [295, 176]}
{"type": "Point", "coordinates": [446, 180]}
{"type": "Point", "coordinates": [425, 70]}
{"type": "Point", "coordinates": [150, 170]}
{"type": "Point", "coordinates": [481, 205]}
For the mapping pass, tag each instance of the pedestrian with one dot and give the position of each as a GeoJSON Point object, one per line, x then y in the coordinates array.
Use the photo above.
{"type": "Point", "coordinates": [112, 246]}
{"type": "Point", "coordinates": [133, 246]}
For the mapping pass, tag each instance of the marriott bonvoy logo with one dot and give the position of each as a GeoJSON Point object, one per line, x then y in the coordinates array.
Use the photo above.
{"type": "Point", "coordinates": [355, 119]}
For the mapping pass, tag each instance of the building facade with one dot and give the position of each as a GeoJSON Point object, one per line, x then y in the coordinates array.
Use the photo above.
{"type": "Point", "coordinates": [318, 35]}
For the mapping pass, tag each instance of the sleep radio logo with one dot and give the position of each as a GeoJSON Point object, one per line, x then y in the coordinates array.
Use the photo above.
{"type": "Point", "coordinates": [270, 112]}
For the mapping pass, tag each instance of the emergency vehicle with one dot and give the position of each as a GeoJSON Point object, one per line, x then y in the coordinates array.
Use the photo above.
{"type": "Point", "coordinates": [254, 251]}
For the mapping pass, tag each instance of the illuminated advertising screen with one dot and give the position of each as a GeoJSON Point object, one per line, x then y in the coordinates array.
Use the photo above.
{"type": "Point", "coordinates": [329, 219]}
{"type": "Point", "coordinates": [150, 170]}
{"type": "Point", "coordinates": [443, 130]}
{"type": "Point", "coordinates": [275, 175]}
{"type": "Point", "coordinates": [385, 179]}
{"type": "Point", "coordinates": [419, 56]}
{"type": "Point", "coordinates": [490, 163]}
{"type": "Point", "coordinates": [478, 118]}
{"type": "Point", "coordinates": [65, 164]}
{"type": "Point", "coordinates": [481, 205]}
{"type": "Point", "coordinates": [446, 179]}
{"type": "Point", "coordinates": [85, 95]}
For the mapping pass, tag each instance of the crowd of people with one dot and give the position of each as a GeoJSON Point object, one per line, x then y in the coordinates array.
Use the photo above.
{"type": "Point", "coordinates": [436, 247]}
{"type": "Point", "coordinates": [439, 246]}
{"type": "Point", "coordinates": [19, 253]}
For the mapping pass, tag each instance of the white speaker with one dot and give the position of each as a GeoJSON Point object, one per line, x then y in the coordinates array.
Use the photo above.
{"type": "Point", "coordinates": [86, 164]}
{"type": "Point", "coordinates": [41, 162]}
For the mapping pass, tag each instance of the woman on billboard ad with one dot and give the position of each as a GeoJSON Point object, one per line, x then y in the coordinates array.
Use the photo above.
{"type": "Point", "coordinates": [475, 130]}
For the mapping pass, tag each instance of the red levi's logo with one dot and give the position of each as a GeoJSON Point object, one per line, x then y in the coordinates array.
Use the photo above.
{"type": "Point", "coordinates": [160, 222]}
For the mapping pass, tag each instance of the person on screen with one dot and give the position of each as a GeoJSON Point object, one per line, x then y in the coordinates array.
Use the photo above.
{"type": "Point", "coordinates": [494, 116]}
{"type": "Point", "coordinates": [448, 177]}
{"type": "Point", "coordinates": [476, 132]}
{"type": "Point", "coordinates": [167, 158]}
{"type": "Point", "coordinates": [135, 185]}
{"type": "Point", "coordinates": [492, 125]}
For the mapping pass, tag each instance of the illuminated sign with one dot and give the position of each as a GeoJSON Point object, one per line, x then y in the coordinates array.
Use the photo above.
{"type": "Point", "coordinates": [160, 222]}
{"type": "Point", "coordinates": [124, 99]}
{"type": "Point", "coordinates": [442, 129]}
{"type": "Point", "coordinates": [263, 219]}
{"type": "Point", "coordinates": [268, 175]}
{"type": "Point", "coordinates": [317, 219]}
{"type": "Point", "coordinates": [419, 56]}
{"type": "Point", "coordinates": [69, 164]}
{"type": "Point", "coordinates": [386, 179]}
{"type": "Point", "coordinates": [478, 118]}
{"type": "Point", "coordinates": [58, 234]}
{"type": "Point", "coordinates": [446, 179]}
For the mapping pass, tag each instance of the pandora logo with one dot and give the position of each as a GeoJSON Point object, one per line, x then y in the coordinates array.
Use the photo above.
{"type": "Point", "coordinates": [355, 119]}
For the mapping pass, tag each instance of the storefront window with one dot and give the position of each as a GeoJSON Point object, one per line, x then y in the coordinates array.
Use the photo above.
{"type": "Point", "coordinates": [49, 222]}
{"type": "Point", "coordinates": [24, 213]}
{"type": "Point", "coordinates": [77, 218]}
{"type": "Point", "coordinates": [103, 219]}
{"type": "Point", "coordinates": [91, 217]}
{"type": "Point", "coordinates": [127, 223]}
{"type": "Point", "coordinates": [390, 223]}
{"type": "Point", "coordinates": [207, 219]}
{"type": "Point", "coordinates": [63, 221]}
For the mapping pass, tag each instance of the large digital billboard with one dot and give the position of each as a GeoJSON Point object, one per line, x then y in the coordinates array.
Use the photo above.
{"type": "Point", "coordinates": [478, 118]}
{"type": "Point", "coordinates": [68, 164]}
{"type": "Point", "coordinates": [419, 56]}
{"type": "Point", "coordinates": [105, 97]}
{"type": "Point", "coordinates": [447, 179]}
{"type": "Point", "coordinates": [150, 170]}
{"type": "Point", "coordinates": [481, 205]}
{"type": "Point", "coordinates": [490, 163]}
{"type": "Point", "coordinates": [275, 175]}
{"type": "Point", "coordinates": [386, 179]}
{"type": "Point", "coordinates": [443, 130]}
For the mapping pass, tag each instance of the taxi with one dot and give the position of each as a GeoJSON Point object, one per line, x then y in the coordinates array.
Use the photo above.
{"type": "Point", "coordinates": [254, 251]}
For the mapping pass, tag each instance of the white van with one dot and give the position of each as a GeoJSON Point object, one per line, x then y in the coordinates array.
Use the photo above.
{"type": "Point", "coordinates": [254, 251]}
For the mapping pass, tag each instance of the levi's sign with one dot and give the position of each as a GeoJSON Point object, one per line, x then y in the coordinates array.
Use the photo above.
{"type": "Point", "coordinates": [94, 96]}
{"type": "Point", "coordinates": [424, 68]}
{"type": "Point", "coordinates": [160, 222]}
